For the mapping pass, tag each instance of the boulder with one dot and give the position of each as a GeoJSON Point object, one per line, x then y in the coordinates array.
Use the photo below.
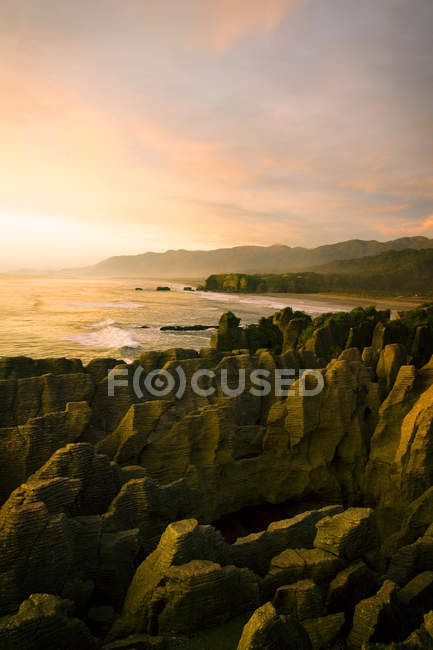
{"type": "Point", "coordinates": [266, 630]}
{"type": "Point", "coordinates": [391, 358]}
{"type": "Point", "coordinates": [298, 564]}
{"type": "Point", "coordinates": [45, 621]}
{"type": "Point", "coordinates": [180, 588]}
{"type": "Point", "coordinates": [325, 630]}
{"type": "Point", "coordinates": [350, 534]}
{"type": "Point", "coordinates": [302, 599]}
{"type": "Point", "coordinates": [229, 335]}
{"type": "Point", "coordinates": [257, 550]}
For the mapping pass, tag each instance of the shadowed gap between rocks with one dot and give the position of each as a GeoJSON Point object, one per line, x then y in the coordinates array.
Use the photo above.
{"type": "Point", "coordinates": [254, 519]}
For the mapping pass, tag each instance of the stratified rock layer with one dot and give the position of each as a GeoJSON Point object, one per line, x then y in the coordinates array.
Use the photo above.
{"type": "Point", "coordinates": [107, 502]}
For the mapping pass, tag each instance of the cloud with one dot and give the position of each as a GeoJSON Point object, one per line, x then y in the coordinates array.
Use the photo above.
{"type": "Point", "coordinates": [207, 25]}
{"type": "Point", "coordinates": [219, 24]}
{"type": "Point", "coordinates": [427, 224]}
{"type": "Point", "coordinates": [214, 123]}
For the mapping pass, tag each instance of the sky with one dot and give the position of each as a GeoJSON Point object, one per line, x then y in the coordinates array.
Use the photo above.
{"type": "Point", "coordinates": [136, 125]}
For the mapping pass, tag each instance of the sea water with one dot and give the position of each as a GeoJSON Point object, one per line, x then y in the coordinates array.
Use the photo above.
{"type": "Point", "coordinates": [50, 316]}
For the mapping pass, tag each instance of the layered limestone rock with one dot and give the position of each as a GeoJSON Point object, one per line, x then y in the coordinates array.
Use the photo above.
{"type": "Point", "coordinates": [376, 618]}
{"type": "Point", "coordinates": [351, 585]}
{"type": "Point", "coordinates": [416, 598]}
{"type": "Point", "coordinates": [399, 466]}
{"type": "Point", "coordinates": [319, 442]}
{"type": "Point", "coordinates": [325, 437]}
{"type": "Point", "coordinates": [229, 335]}
{"type": "Point", "coordinates": [144, 505]}
{"type": "Point", "coordinates": [412, 559]}
{"type": "Point", "coordinates": [391, 358]}
{"type": "Point", "coordinates": [92, 483]}
{"type": "Point", "coordinates": [31, 397]}
{"type": "Point", "coordinates": [99, 481]}
{"type": "Point", "coordinates": [324, 631]}
{"type": "Point", "coordinates": [46, 546]}
{"type": "Point", "coordinates": [180, 587]}
{"type": "Point", "coordinates": [292, 327]}
{"type": "Point", "coordinates": [302, 599]}
{"type": "Point", "coordinates": [142, 424]}
{"type": "Point", "coordinates": [22, 367]}
{"type": "Point", "coordinates": [299, 564]}
{"type": "Point", "coordinates": [26, 447]}
{"type": "Point", "coordinates": [351, 534]}
{"type": "Point", "coordinates": [36, 540]}
{"type": "Point", "coordinates": [258, 549]}
{"type": "Point", "coordinates": [267, 629]}
{"type": "Point", "coordinates": [45, 621]}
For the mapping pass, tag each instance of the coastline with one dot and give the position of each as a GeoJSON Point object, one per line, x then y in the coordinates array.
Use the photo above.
{"type": "Point", "coordinates": [382, 302]}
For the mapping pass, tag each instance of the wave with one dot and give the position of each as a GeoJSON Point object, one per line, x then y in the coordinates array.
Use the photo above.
{"type": "Point", "coordinates": [310, 307]}
{"type": "Point", "coordinates": [220, 297]}
{"type": "Point", "coordinates": [108, 337]}
{"type": "Point", "coordinates": [237, 298]}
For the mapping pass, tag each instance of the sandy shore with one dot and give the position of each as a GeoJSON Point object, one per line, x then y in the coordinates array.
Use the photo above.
{"type": "Point", "coordinates": [349, 301]}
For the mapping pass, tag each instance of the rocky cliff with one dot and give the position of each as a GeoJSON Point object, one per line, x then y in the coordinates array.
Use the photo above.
{"type": "Point", "coordinates": [240, 520]}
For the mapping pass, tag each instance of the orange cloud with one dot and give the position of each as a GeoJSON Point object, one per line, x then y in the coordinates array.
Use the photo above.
{"type": "Point", "coordinates": [197, 158]}
{"type": "Point", "coordinates": [427, 223]}
{"type": "Point", "coordinates": [210, 25]}
{"type": "Point", "coordinates": [226, 22]}
{"type": "Point", "coordinates": [406, 227]}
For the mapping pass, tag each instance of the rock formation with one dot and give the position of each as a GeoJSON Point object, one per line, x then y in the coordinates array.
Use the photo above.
{"type": "Point", "coordinates": [148, 521]}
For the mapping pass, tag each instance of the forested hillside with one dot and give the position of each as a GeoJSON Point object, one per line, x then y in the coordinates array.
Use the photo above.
{"type": "Point", "coordinates": [394, 273]}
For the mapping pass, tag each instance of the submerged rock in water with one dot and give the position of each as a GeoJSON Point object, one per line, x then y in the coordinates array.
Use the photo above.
{"type": "Point", "coordinates": [187, 328]}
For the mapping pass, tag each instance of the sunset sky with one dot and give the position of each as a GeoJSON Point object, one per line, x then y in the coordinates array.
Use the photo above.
{"type": "Point", "coordinates": [135, 125]}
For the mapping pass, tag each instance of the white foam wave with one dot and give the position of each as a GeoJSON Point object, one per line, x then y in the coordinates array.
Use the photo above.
{"type": "Point", "coordinates": [242, 299]}
{"type": "Point", "coordinates": [220, 297]}
{"type": "Point", "coordinates": [108, 337]}
{"type": "Point", "coordinates": [310, 307]}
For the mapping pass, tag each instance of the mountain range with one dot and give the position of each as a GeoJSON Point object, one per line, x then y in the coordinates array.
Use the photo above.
{"type": "Point", "coordinates": [244, 259]}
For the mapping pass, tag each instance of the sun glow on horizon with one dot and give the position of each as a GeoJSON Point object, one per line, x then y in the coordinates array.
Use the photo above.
{"type": "Point", "coordinates": [67, 243]}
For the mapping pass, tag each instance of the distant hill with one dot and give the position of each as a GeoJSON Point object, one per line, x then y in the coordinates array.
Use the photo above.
{"type": "Point", "coordinates": [244, 259]}
{"type": "Point", "coordinates": [393, 273]}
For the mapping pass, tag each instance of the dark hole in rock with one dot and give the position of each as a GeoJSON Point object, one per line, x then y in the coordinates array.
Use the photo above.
{"type": "Point", "coordinates": [254, 519]}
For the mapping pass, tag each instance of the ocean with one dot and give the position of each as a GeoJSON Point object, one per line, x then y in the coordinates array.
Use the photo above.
{"type": "Point", "coordinates": [50, 316]}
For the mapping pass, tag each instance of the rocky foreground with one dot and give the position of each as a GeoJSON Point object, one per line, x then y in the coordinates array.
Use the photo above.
{"type": "Point", "coordinates": [224, 522]}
